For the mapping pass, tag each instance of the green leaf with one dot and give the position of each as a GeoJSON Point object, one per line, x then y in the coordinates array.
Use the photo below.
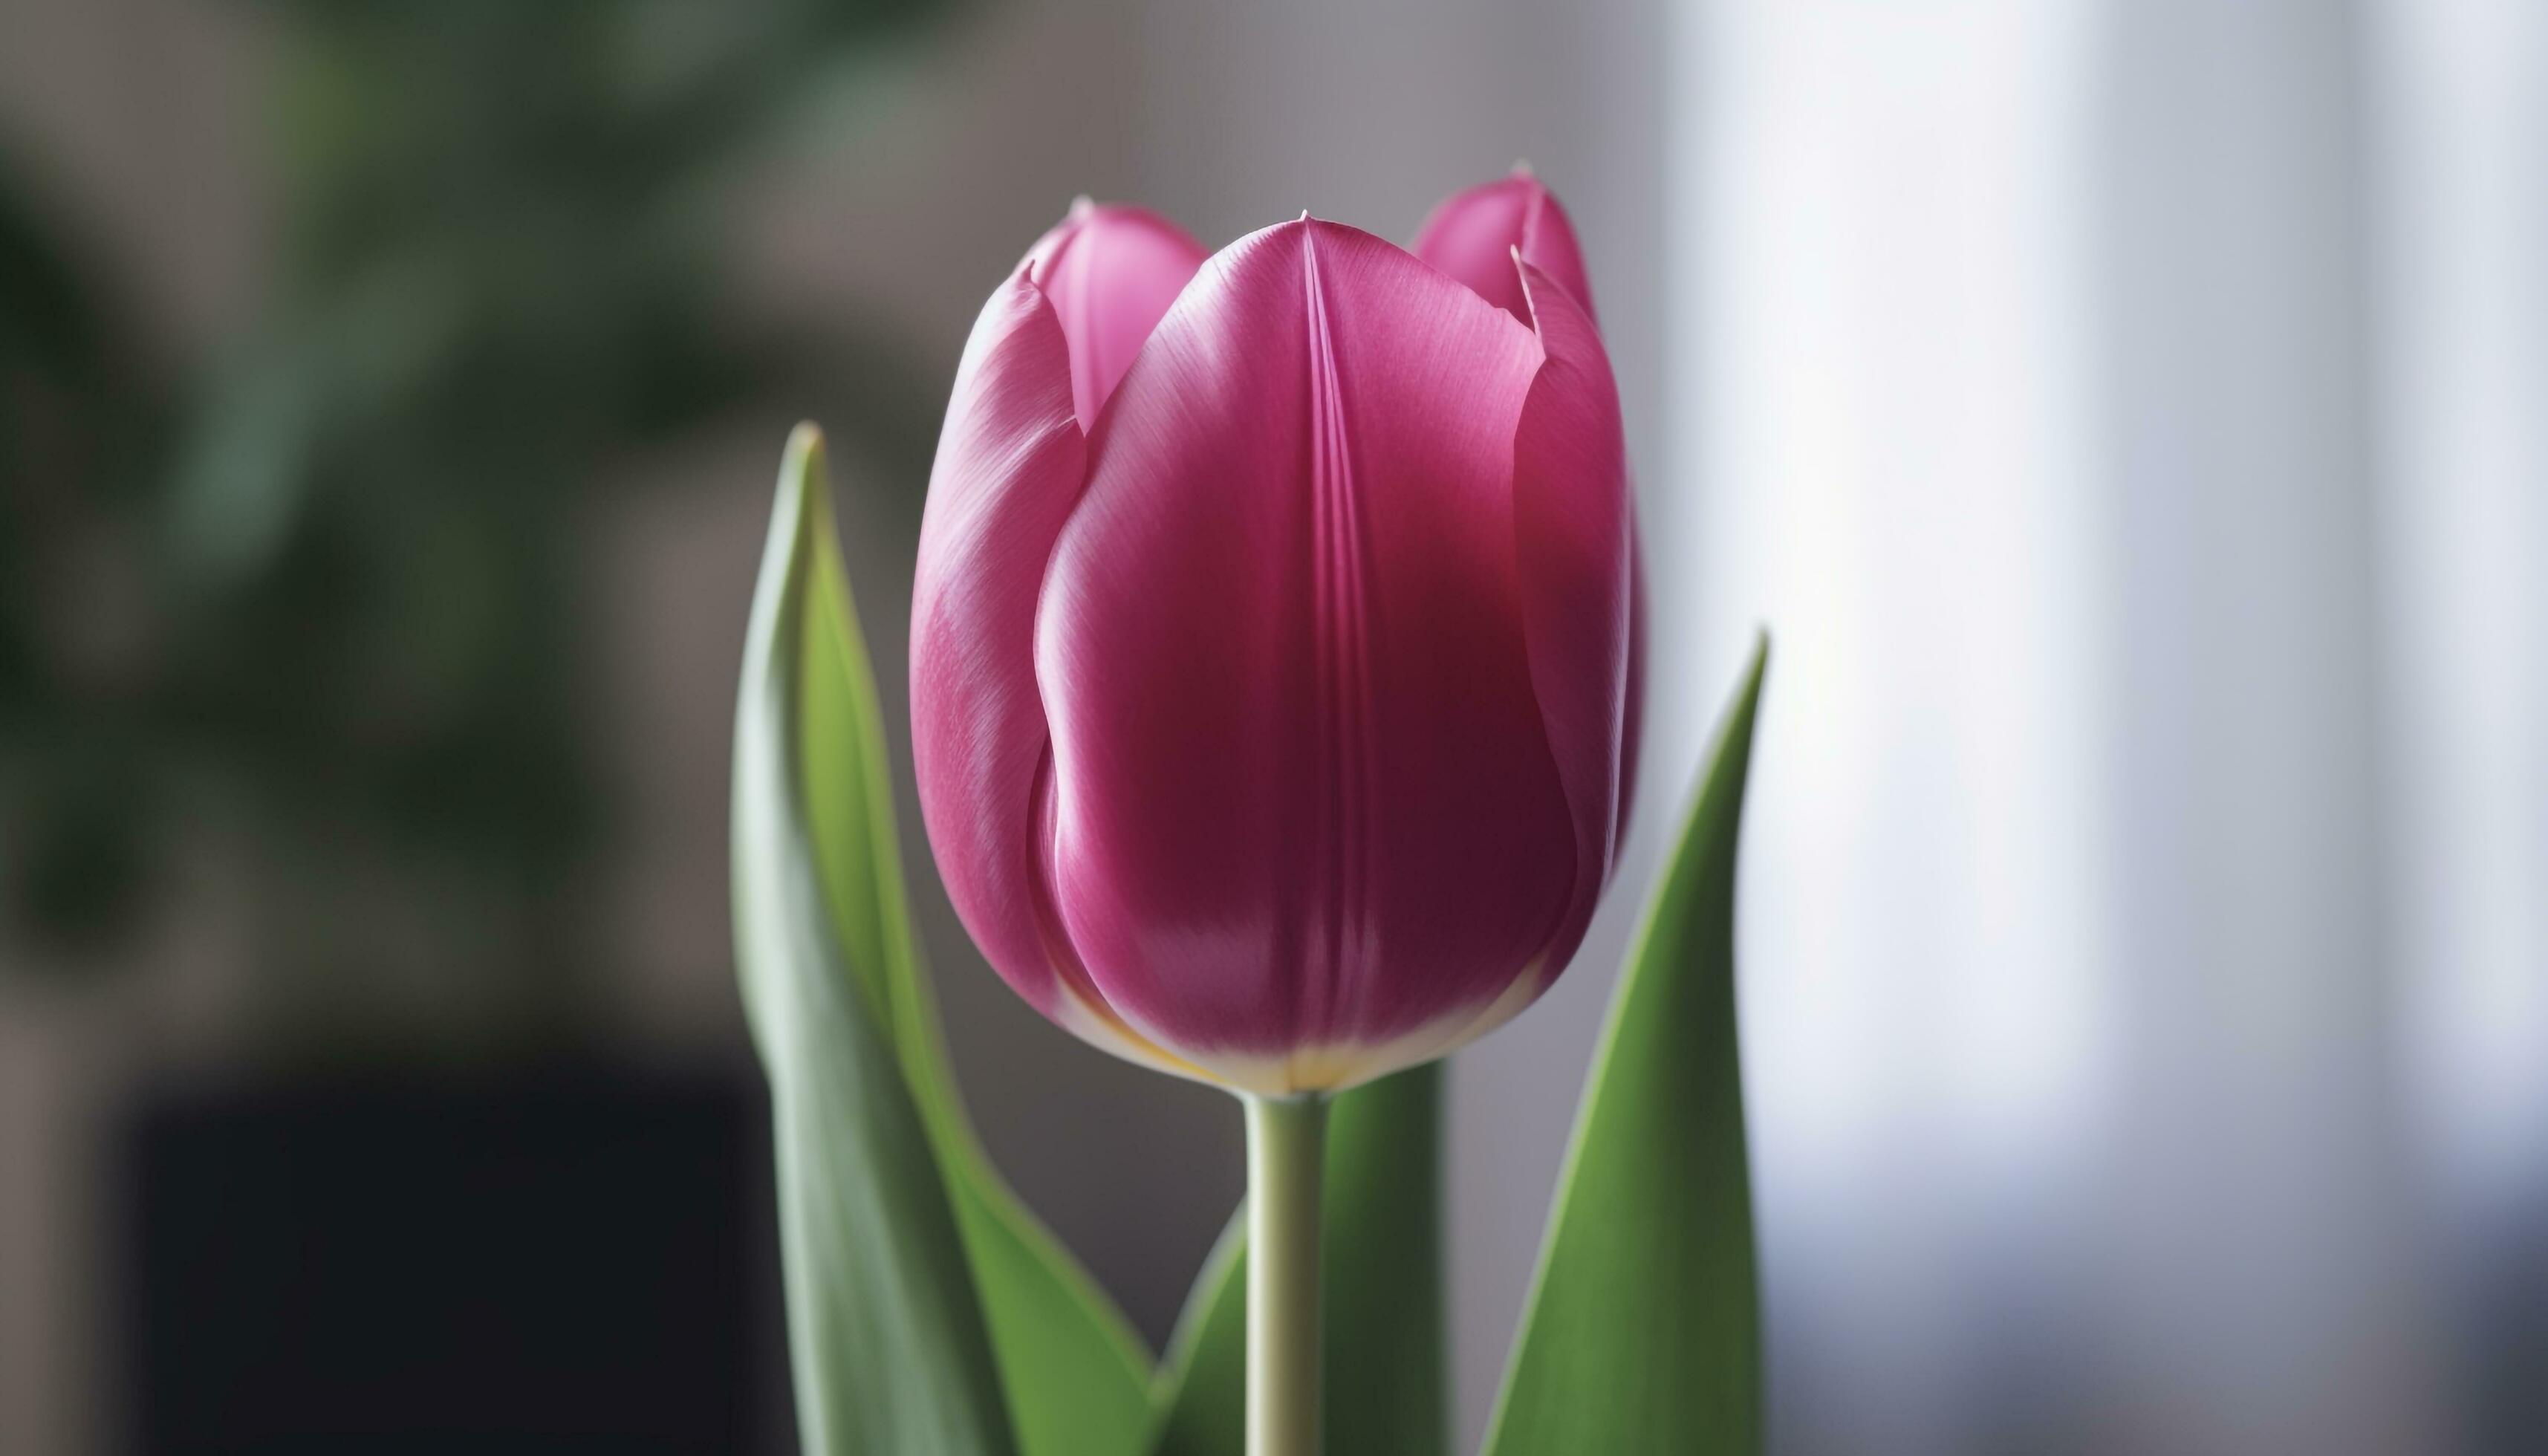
{"type": "Point", "coordinates": [1382, 1267]}
{"type": "Point", "coordinates": [885, 1330]}
{"type": "Point", "coordinates": [1201, 1396]}
{"type": "Point", "coordinates": [1642, 1334]}
{"type": "Point", "coordinates": [1070, 1375]}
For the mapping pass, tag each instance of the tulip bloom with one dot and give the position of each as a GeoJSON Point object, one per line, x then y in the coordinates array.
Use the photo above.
{"type": "Point", "coordinates": [1273, 642]}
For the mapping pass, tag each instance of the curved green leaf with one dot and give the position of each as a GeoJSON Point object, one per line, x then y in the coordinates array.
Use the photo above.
{"type": "Point", "coordinates": [1201, 1396]}
{"type": "Point", "coordinates": [1073, 1376]}
{"type": "Point", "coordinates": [1381, 1269]}
{"type": "Point", "coordinates": [885, 1330]}
{"type": "Point", "coordinates": [1076, 1375]}
{"type": "Point", "coordinates": [1642, 1334]}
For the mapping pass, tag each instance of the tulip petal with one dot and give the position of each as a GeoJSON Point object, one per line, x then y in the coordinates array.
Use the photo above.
{"type": "Point", "coordinates": [1573, 535]}
{"type": "Point", "coordinates": [1472, 234]}
{"type": "Point", "coordinates": [1303, 801]}
{"type": "Point", "coordinates": [1111, 272]}
{"type": "Point", "coordinates": [1009, 470]}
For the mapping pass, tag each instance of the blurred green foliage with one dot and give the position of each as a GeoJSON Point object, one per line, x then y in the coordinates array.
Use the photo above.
{"type": "Point", "coordinates": [320, 599]}
{"type": "Point", "coordinates": [82, 420]}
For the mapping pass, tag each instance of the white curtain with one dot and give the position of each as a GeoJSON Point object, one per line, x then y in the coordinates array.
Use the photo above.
{"type": "Point", "coordinates": [2131, 419]}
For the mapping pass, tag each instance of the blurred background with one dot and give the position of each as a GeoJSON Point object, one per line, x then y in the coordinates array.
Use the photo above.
{"type": "Point", "coordinates": [2129, 419]}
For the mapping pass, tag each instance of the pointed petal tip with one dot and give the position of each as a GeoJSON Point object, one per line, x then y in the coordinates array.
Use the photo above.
{"type": "Point", "coordinates": [1535, 288]}
{"type": "Point", "coordinates": [1082, 205]}
{"type": "Point", "coordinates": [1541, 291]}
{"type": "Point", "coordinates": [1471, 234]}
{"type": "Point", "coordinates": [1109, 271]}
{"type": "Point", "coordinates": [1523, 170]}
{"type": "Point", "coordinates": [1304, 222]}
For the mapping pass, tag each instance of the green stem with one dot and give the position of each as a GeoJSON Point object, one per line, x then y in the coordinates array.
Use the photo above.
{"type": "Point", "coordinates": [1287, 1141]}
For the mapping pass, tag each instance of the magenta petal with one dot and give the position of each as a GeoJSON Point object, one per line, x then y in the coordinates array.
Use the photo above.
{"type": "Point", "coordinates": [1009, 470]}
{"type": "Point", "coordinates": [1111, 272]}
{"type": "Point", "coordinates": [1304, 797]}
{"type": "Point", "coordinates": [1573, 528]}
{"type": "Point", "coordinates": [1474, 234]}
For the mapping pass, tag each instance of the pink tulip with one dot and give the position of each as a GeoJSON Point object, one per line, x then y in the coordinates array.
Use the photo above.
{"type": "Point", "coordinates": [1272, 643]}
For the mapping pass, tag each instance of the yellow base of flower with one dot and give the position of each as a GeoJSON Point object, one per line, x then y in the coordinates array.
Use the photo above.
{"type": "Point", "coordinates": [1304, 1071]}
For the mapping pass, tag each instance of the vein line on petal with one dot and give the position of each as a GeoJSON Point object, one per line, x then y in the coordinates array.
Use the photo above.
{"type": "Point", "coordinates": [1346, 735]}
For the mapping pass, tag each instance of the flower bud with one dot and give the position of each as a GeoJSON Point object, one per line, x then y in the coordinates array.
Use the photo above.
{"type": "Point", "coordinates": [1272, 635]}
